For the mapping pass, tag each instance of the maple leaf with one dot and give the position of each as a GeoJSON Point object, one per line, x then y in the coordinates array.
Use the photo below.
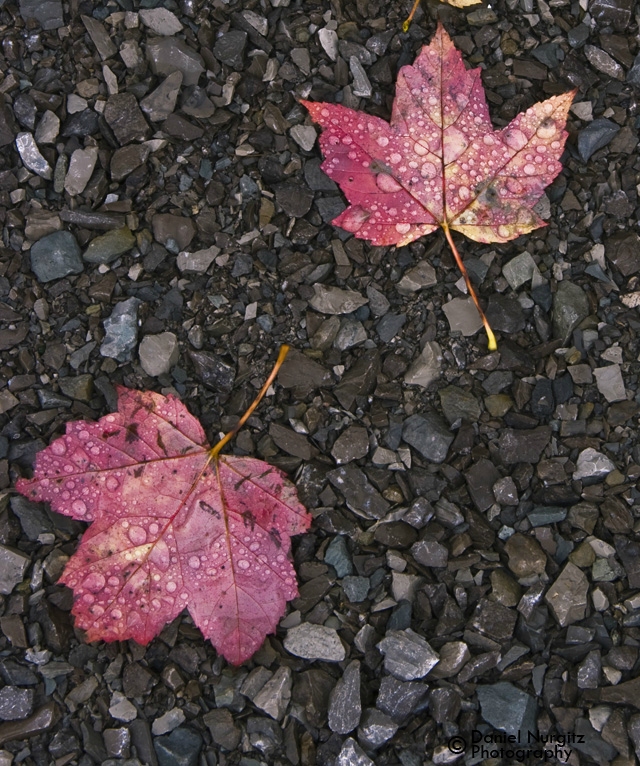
{"type": "Point", "coordinates": [439, 162]}
{"type": "Point", "coordinates": [174, 526]}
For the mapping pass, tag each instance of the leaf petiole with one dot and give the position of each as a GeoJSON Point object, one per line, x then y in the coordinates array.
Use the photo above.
{"type": "Point", "coordinates": [409, 19]}
{"type": "Point", "coordinates": [493, 346]}
{"type": "Point", "coordinates": [215, 451]}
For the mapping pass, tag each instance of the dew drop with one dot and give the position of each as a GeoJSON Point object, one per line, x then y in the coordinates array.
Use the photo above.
{"type": "Point", "coordinates": [171, 586]}
{"type": "Point", "coordinates": [403, 228]}
{"type": "Point", "coordinates": [79, 507]}
{"type": "Point", "coordinates": [153, 528]}
{"type": "Point", "coordinates": [88, 598]}
{"type": "Point", "coordinates": [515, 139]}
{"type": "Point", "coordinates": [95, 582]}
{"type": "Point", "coordinates": [504, 231]}
{"type": "Point", "coordinates": [113, 581]}
{"type": "Point", "coordinates": [59, 447]}
{"type": "Point", "coordinates": [382, 141]}
{"type": "Point", "coordinates": [116, 613]}
{"type": "Point", "coordinates": [529, 169]}
{"type": "Point", "coordinates": [137, 535]}
{"type": "Point", "coordinates": [83, 435]}
{"type": "Point", "coordinates": [194, 562]}
{"type": "Point", "coordinates": [428, 170]}
{"type": "Point", "coordinates": [160, 556]}
{"type": "Point", "coordinates": [395, 158]}
{"type": "Point", "coordinates": [254, 547]}
{"type": "Point", "coordinates": [386, 183]}
{"type": "Point", "coordinates": [243, 564]}
{"type": "Point", "coordinates": [97, 610]}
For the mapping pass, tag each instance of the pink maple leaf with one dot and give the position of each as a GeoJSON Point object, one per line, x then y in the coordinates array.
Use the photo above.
{"type": "Point", "coordinates": [174, 526]}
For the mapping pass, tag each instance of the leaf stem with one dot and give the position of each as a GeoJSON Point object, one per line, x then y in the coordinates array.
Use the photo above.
{"type": "Point", "coordinates": [408, 20]}
{"type": "Point", "coordinates": [215, 451]}
{"type": "Point", "coordinates": [493, 346]}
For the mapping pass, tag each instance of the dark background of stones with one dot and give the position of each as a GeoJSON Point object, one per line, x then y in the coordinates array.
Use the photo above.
{"type": "Point", "coordinates": [512, 425]}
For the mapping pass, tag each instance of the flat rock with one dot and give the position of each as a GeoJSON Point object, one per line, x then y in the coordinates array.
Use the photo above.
{"type": "Point", "coordinates": [567, 597]}
{"type": "Point", "coordinates": [83, 161]}
{"type": "Point", "coordinates": [570, 307]}
{"type": "Point", "coordinates": [407, 656]}
{"type": "Point", "coordinates": [526, 557]}
{"type": "Point", "coordinates": [121, 331]}
{"type": "Point", "coordinates": [99, 37]}
{"type": "Point", "coordinates": [376, 728]}
{"type": "Point", "coordinates": [508, 708]}
{"type": "Point", "coordinates": [168, 721]}
{"type": "Point", "coordinates": [610, 383]}
{"type": "Point", "coordinates": [170, 54]}
{"type": "Point", "coordinates": [596, 136]}
{"type": "Point", "coordinates": [314, 642]}
{"type": "Point", "coordinates": [161, 102]}
{"type": "Point", "coordinates": [13, 566]}
{"type": "Point", "coordinates": [173, 230]}
{"type": "Point", "coordinates": [417, 278]}
{"type": "Point", "coordinates": [399, 699]}
{"type": "Point", "coordinates": [124, 117]}
{"type": "Point", "coordinates": [126, 159]}
{"type": "Point", "coordinates": [180, 748]}
{"type": "Point", "coordinates": [56, 256]}
{"type": "Point", "coordinates": [31, 156]}
{"type": "Point", "coordinates": [427, 367]}
{"type": "Point", "coordinates": [274, 697]}
{"type": "Point", "coordinates": [523, 446]}
{"type": "Point", "coordinates": [459, 403]}
{"type": "Point", "coordinates": [229, 48]}
{"type": "Point", "coordinates": [353, 443]}
{"type": "Point", "coordinates": [106, 248]}
{"type": "Point", "coordinates": [352, 754]}
{"type": "Point", "coordinates": [592, 465]}
{"type": "Point", "coordinates": [345, 707]}
{"type": "Point", "coordinates": [48, 13]}
{"type": "Point", "coordinates": [222, 728]}
{"type": "Point", "coordinates": [463, 316]}
{"type": "Point", "coordinates": [213, 371]}
{"type": "Point", "coordinates": [159, 353]}
{"type": "Point", "coordinates": [360, 495]}
{"type": "Point", "coordinates": [160, 21]}
{"type": "Point", "coordinates": [429, 435]}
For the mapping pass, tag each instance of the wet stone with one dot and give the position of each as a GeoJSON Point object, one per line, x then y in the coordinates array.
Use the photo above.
{"type": "Point", "coordinates": [567, 597]}
{"type": "Point", "coordinates": [42, 720]}
{"type": "Point", "coordinates": [56, 256]}
{"type": "Point", "coordinates": [31, 157]}
{"type": "Point", "coordinates": [427, 367]}
{"type": "Point", "coordinates": [356, 588]}
{"type": "Point", "coordinates": [595, 136]}
{"type": "Point", "coordinates": [314, 642]}
{"type": "Point", "coordinates": [429, 435]}
{"type": "Point", "coordinates": [505, 314]}
{"type": "Point", "coordinates": [623, 250]}
{"type": "Point", "coordinates": [229, 48]}
{"type": "Point", "coordinates": [168, 721]}
{"type": "Point", "coordinates": [526, 557]}
{"type": "Point", "coordinates": [570, 307]}
{"type": "Point", "coordinates": [417, 278]}
{"type": "Point", "coordinates": [351, 445]}
{"type": "Point", "coordinates": [170, 54]}
{"type": "Point", "coordinates": [389, 326]}
{"type": "Point", "coordinates": [222, 728]}
{"type": "Point", "coordinates": [117, 742]}
{"type": "Point", "coordinates": [463, 316]}
{"type": "Point", "coordinates": [505, 491]}
{"type": "Point", "coordinates": [196, 103]}
{"type": "Point", "coordinates": [610, 383]}
{"type": "Point", "coordinates": [603, 62]}
{"type": "Point", "coordinates": [13, 566]}
{"type": "Point", "coordinates": [212, 371]}
{"type": "Point", "coordinates": [523, 446]}
{"type": "Point", "coordinates": [481, 477]}
{"type": "Point", "coordinates": [352, 754]}
{"type": "Point", "coordinates": [494, 620]}
{"type": "Point", "coordinates": [175, 231]}
{"type": "Point", "coordinates": [376, 728]}
{"type": "Point", "coordinates": [48, 13]}
{"type": "Point", "coordinates": [542, 399]}
{"type": "Point", "coordinates": [588, 676]}
{"type": "Point", "coordinates": [507, 708]}
{"type": "Point", "coordinates": [160, 21]}
{"type": "Point", "coordinates": [180, 748]}
{"type": "Point", "coordinates": [99, 37]}
{"type": "Point", "coordinates": [274, 697]}
{"type": "Point", "coordinates": [345, 707]}
{"type": "Point", "coordinates": [161, 102]}
{"type": "Point", "coordinates": [407, 656]}
{"type": "Point", "coordinates": [592, 465]}
{"type": "Point", "coordinates": [159, 353]}
{"type": "Point", "coordinates": [124, 117]}
{"type": "Point", "coordinates": [106, 248]}
{"type": "Point", "coordinates": [360, 495]}
{"type": "Point", "coordinates": [25, 110]}
{"type": "Point", "coordinates": [121, 708]}
{"type": "Point", "coordinates": [121, 331]}
{"type": "Point", "coordinates": [83, 161]}
{"type": "Point", "coordinates": [15, 703]}
{"type": "Point", "coordinates": [459, 403]}
{"type": "Point", "coordinates": [430, 553]}
{"type": "Point", "coordinates": [337, 555]}
{"type": "Point", "coordinates": [520, 269]}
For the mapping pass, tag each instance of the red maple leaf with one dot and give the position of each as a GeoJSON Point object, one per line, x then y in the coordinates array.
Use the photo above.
{"type": "Point", "coordinates": [174, 526]}
{"type": "Point", "coordinates": [439, 162]}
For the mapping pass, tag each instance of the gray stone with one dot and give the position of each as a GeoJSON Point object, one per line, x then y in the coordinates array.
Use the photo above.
{"type": "Point", "coordinates": [603, 62]}
{"type": "Point", "coordinates": [161, 102]}
{"type": "Point", "coordinates": [55, 256]}
{"type": "Point", "coordinates": [592, 745]}
{"type": "Point", "coordinates": [360, 495]}
{"type": "Point", "coordinates": [15, 703]}
{"type": "Point", "coordinates": [117, 742]}
{"type": "Point", "coordinates": [378, 303]}
{"type": "Point", "coordinates": [125, 119]}
{"type": "Point", "coordinates": [126, 159]}
{"type": "Point", "coordinates": [427, 367]}
{"type": "Point", "coordinates": [229, 48]}
{"type": "Point", "coordinates": [275, 695]}
{"type": "Point", "coordinates": [304, 135]}
{"type": "Point", "coordinates": [31, 157]}
{"type": "Point", "coordinates": [352, 754]}
{"type": "Point", "coordinates": [459, 403]}
{"type": "Point", "coordinates": [337, 555]}
{"type": "Point", "coordinates": [295, 199]}
{"type": "Point", "coordinates": [345, 707]}
{"type": "Point", "coordinates": [160, 21]}
{"type": "Point", "coordinates": [361, 85]}
{"type": "Point", "coordinates": [314, 642]}
{"type": "Point", "coordinates": [519, 270]}
{"type": "Point", "coordinates": [399, 699]}
{"type": "Point", "coordinates": [407, 655]}
{"type": "Point", "coordinates": [350, 445]}
{"type": "Point", "coordinates": [523, 446]}
{"type": "Point", "coordinates": [507, 708]}
{"type": "Point", "coordinates": [197, 262]}
{"type": "Point", "coordinates": [48, 128]}
{"type": "Point", "coordinates": [429, 435]}
{"type": "Point", "coordinates": [350, 334]}
{"type": "Point", "coordinates": [168, 721]}
{"type": "Point", "coordinates": [212, 371]}
{"type": "Point", "coordinates": [595, 136]}
{"type": "Point", "coordinates": [106, 248]}
{"type": "Point", "coordinates": [173, 231]}
{"type": "Point", "coordinates": [180, 748]}
{"type": "Point", "coordinates": [222, 728]}
{"type": "Point", "coordinates": [570, 307]}
{"type": "Point", "coordinates": [463, 316]}
{"type": "Point", "coordinates": [159, 353]}
{"type": "Point", "coordinates": [567, 597]}
{"type": "Point", "coordinates": [418, 278]}
{"type": "Point", "coordinates": [430, 553]}
{"type": "Point", "coordinates": [389, 326]}
{"type": "Point", "coordinates": [542, 516]}
{"type": "Point", "coordinates": [83, 161]}
{"type": "Point", "coordinates": [592, 465]}
{"type": "Point", "coordinates": [356, 588]}
{"type": "Point", "coordinates": [121, 331]}
{"type": "Point", "coordinates": [99, 37]}
{"type": "Point", "coordinates": [505, 313]}
{"type": "Point", "coordinates": [48, 13]}
{"type": "Point", "coordinates": [196, 103]}
{"type": "Point", "coordinates": [169, 54]}
{"type": "Point", "coordinates": [121, 708]}
{"type": "Point", "coordinates": [610, 383]}
{"type": "Point", "coordinates": [376, 728]}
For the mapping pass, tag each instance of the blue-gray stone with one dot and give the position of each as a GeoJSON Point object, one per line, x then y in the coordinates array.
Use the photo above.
{"type": "Point", "coordinates": [48, 13]}
{"type": "Point", "coordinates": [543, 515]}
{"type": "Point", "coordinates": [429, 435]}
{"type": "Point", "coordinates": [633, 76]}
{"type": "Point", "coordinates": [508, 708]}
{"type": "Point", "coordinates": [55, 256]}
{"type": "Point", "coordinates": [337, 555]}
{"type": "Point", "coordinates": [180, 748]}
{"type": "Point", "coordinates": [355, 588]}
{"type": "Point", "coordinates": [570, 307]}
{"type": "Point", "coordinates": [121, 331]}
{"type": "Point", "coordinates": [595, 136]}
